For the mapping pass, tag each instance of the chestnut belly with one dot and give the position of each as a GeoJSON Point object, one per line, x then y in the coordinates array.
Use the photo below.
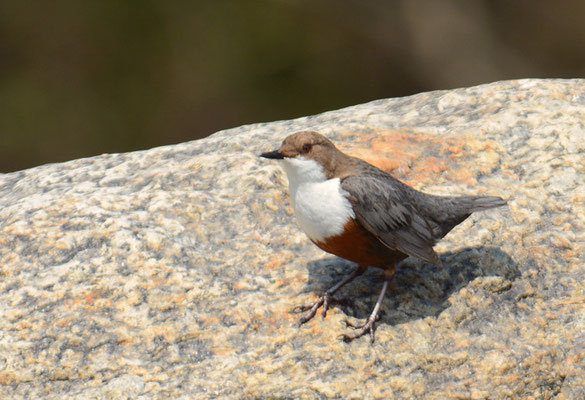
{"type": "Point", "coordinates": [360, 246]}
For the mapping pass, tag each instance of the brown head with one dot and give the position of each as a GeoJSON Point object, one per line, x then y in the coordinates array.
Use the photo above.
{"type": "Point", "coordinates": [313, 146]}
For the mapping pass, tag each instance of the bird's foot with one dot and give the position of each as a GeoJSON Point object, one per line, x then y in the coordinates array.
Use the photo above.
{"type": "Point", "coordinates": [313, 307]}
{"type": "Point", "coordinates": [368, 326]}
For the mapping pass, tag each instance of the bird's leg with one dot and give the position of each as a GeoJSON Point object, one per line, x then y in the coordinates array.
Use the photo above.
{"type": "Point", "coordinates": [369, 325]}
{"type": "Point", "coordinates": [326, 298]}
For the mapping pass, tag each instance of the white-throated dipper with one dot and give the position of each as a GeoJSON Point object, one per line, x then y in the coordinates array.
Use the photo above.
{"type": "Point", "coordinates": [356, 211]}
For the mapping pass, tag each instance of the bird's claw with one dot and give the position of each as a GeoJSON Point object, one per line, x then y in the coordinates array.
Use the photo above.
{"type": "Point", "coordinates": [302, 308]}
{"type": "Point", "coordinates": [368, 326]}
{"type": "Point", "coordinates": [324, 301]}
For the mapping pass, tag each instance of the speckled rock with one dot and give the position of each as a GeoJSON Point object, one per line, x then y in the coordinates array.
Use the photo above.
{"type": "Point", "coordinates": [171, 273]}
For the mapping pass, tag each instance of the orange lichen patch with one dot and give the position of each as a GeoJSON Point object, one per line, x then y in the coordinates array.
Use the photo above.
{"type": "Point", "coordinates": [561, 242]}
{"type": "Point", "coordinates": [175, 298]}
{"type": "Point", "coordinates": [278, 197]}
{"type": "Point", "coordinates": [569, 254]}
{"type": "Point", "coordinates": [316, 328]}
{"type": "Point", "coordinates": [523, 306]}
{"type": "Point", "coordinates": [575, 358]}
{"type": "Point", "coordinates": [558, 220]}
{"type": "Point", "coordinates": [23, 325]}
{"type": "Point", "coordinates": [274, 262]}
{"type": "Point", "coordinates": [140, 371]}
{"type": "Point", "coordinates": [549, 315]}
{"type": "Point", "coordinates": [418, 156]}
{"type": "Point", "coordinates": [73, 303]}
{"type": "Point", "coordinates": [538, 249]}
{"type": "Point", "coordinates": [126, 340]}
{"type": "Point", "coordinates": [455, 149]}
{"type": "Point", "coordinates": [464, 175]}
{"type": "Point", "coordinates": [572, 300]}
{"type": "Point", "coordinates": [258, 238]}
{"type": "Point", "coordinates": [388, 164]}
{"type": "Point", "coordinates": [63, 322]}
{"type": "Point", "coordinates": [277, 317]}
{"type": "Point", "coordinates": [221, 351]}
{"type": "Point", "coordinates": [387, 150]}
{"type": "Point", "coordinates": [210, 320]}
{"type": "Point", "coordinates": [241, 286]}
{"type": "Point", "coordinates": [434, 165]}
{"type": "Point", "coordinates": [92, 299]}
{"type": "Point", "coordinates": [279, 282]}
{"type": "Point", "coordinates": [6, 377]}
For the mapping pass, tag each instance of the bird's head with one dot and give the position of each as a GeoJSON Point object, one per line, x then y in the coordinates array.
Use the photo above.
{"type": "Point", "coordinates": [307, 157]}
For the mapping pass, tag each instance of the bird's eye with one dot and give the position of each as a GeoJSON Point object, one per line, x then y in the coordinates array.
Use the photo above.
{"type": "Point", "coordinates": [307, 147]}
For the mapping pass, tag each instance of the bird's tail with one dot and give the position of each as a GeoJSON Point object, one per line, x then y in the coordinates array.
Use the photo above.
{"type": "Point", "coordinates": [483, 203]}
{"type": "Point", "coordinates": [454, 210]}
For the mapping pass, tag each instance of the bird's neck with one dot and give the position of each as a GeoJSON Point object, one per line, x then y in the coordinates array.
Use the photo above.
{"type": "Point", "coordinates": [301, 171]}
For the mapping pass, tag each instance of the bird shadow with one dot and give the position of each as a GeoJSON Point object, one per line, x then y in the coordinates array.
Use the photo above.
{"type": "Point", "coordinates": [418, 289]}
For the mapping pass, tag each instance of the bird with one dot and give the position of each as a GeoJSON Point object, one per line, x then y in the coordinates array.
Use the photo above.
{"type": "Point", "coordinates": [356, 211]}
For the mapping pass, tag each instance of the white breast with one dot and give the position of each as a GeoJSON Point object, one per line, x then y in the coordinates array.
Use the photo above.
{"type": "Point", "coordinates": [320, 204]}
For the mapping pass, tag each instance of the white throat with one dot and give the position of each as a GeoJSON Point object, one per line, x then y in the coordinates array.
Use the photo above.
{"type": "Point", "coordinates": [320, 204]}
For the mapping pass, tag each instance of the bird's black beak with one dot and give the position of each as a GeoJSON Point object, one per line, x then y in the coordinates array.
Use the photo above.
{"type": "Point", "coordinates": [274, 155]}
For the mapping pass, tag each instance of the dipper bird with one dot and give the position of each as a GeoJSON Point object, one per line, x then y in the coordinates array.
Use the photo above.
{"type": "Point", "coordinates": [356, 211]}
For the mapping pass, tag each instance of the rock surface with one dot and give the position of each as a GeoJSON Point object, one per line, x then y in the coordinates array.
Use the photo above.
{"type": "Point", "coordinates": [171, 273]}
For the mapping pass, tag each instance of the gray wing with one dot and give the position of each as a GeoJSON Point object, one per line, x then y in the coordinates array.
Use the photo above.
{"type": "Point", "coordinates": [381, 206]}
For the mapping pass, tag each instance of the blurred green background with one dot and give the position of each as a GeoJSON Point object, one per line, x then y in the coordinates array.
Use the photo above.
{"type": "Point", "coordinates": [80, 78]}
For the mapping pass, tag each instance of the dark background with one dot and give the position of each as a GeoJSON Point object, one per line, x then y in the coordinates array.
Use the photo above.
{"type": "Point", "coordinates": [80, 78]}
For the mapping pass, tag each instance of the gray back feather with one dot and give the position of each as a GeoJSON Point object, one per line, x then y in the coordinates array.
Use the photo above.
{"type": "Point", "coordinates": [403, 218]}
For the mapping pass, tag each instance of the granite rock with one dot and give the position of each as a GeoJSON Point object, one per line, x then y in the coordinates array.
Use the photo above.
{"type": "Point", "coordinates": [171, 272]}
